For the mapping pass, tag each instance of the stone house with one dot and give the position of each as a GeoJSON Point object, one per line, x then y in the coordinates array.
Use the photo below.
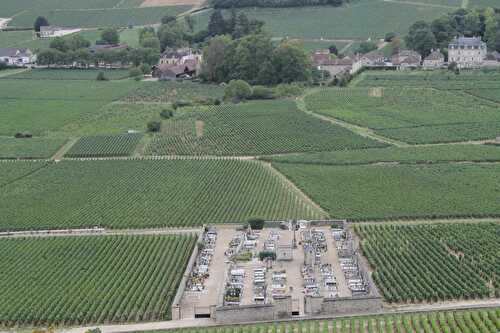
{"type": "Point", "coordinates": [406, 59]}
{"type": "Point", "coordinates": [178, 63]}
{"type": "Point", "coordinates": [17, 56]}
{"type": "Point", "coordinates": [373, 58]}
{"type": "Point", "coordinates": [322, 60]}
{"type": "Point", "coordinates": [434, 60]}
{"type": "Point", "coordinates": [467, 52]}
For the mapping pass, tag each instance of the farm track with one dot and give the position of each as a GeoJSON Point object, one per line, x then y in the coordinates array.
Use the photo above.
{"type": "Point", "coordinates": [422, 4]}
{"type": "Point", "coordinates": [64, 149]}
{"type": "Point", "coordinates": [186, 323]}
{"type": "Point", "coordinates": [294, 188]}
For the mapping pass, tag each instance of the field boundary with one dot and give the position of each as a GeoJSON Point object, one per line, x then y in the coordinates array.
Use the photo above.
{"type": "Point", "coordinates": [415, 3]}
{"type": "Point", "coordinates": [429, 221]}
{"type": "Point", "coordinates": [291, 186]}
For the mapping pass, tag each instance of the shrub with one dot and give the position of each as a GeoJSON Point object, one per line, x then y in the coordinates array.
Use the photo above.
{"type": "Point", "coordinates": [101, 77]}
{"type": "Point", "coordinates": [154, 126]}
{"type": "Point", "coordinates": [237, 90]}
{"type": "Point", "coordinates": [181, 103]}
{"type": "Point", "coordinates": [256, 223]}
{"type": "Point", "coordinates": [288, 90]}
{"type": "Point", "coordinates": [267, 254]}
{"type": "Point", "coordinates": [261, 92]}
{"type": "Point", "coordinates": [135, 72]}
{"type": "Point", "coordinates": [166, 114]}
{"type": "Point", "coordinates": [23, 135]}
{"type": "Point", "coordinates": [389, 36]}
{"type": "Point", "coordinates": [145, 69]}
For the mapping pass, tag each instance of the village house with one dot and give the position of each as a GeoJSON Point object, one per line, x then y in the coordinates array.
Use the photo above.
{"type": "Point", "coordinates": [467, 52]}
{"type": "Point", "coordinates": [17, 56]}
{"type": "Point", "coordinates": [406, 59]}
{"type": "Point", "coordinates": [373, 58]}
{"type": "Point", "coordinates": [434, 60]}
{"type": "Point", "coordinates": [177, 64]}
{"type": "Point", "coordinates": [323, 61]}
{"type": "Point", "coordinates": [51, 31]}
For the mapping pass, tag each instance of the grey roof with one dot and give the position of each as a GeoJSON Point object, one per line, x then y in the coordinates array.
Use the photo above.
{"type": "Point", "coordinates": [435, 55]}
{"type": "Point", "coordinates": [467, 41]}
{"type": "Point", "coordinates": [176, 53]}
{"type": "Point", "coordinates": [14, 52]}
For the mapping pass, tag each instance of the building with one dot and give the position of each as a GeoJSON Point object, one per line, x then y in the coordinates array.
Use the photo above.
{"type": "Point", "coordinates": [373, 58]}
{"type": "Point", "coordinates": [434, 60]}
{"type": "Point", "coordinates": [323, 61]}
{"type": "Point", "coordinates": [467, 52]}
{"type": "Point", "coordinates": [52, 31]}
{"type": "Point", "coordinates": [178, 64]}
{"type": "Point", "coordinates": [406, 59]}
{"type": "Point", "coordinates": [17, 56]}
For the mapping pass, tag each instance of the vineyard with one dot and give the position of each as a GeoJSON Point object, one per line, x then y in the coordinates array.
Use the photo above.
{"type": "Point", "coordinates": [29, 148]}
{"type": "Point", "coordinates": [433, 262]}
{"type": "Point", "coordinates": [11, 171]}
{"type": "Point", "coordinates": [413, 115]}
{"type": "Point", "coordinates": [84, 280]}
{"type": "Point", "coordinates": [478, 321]}
{"type": "Point", "coordinates": [105, 145]}
{"type": "Point", "coordinates": [381, 192]}
{"type": "Point", "coordinates": [406, 155]}
{"type": "Point", "coordinates": [71, 74]}
{"type": "Point", "coordinates": [148, 193]}
{"type": "Point", "coordinates": [253, 128]}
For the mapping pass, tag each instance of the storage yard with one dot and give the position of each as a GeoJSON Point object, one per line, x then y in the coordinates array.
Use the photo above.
{"type": "Point", "coordinates": [286, 269]}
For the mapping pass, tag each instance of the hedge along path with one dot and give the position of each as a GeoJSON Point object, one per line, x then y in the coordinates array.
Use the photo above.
{"type": "Point", "coordinates": [295, 189]}
{"type": "Point", "coordinates": [362, 131]}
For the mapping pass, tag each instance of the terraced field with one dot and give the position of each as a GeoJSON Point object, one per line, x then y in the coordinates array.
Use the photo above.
{"type": "Point", "coordinates": [253, 128]}
{"type": "Point", "coordinates": [486, 321]}
{"type": "Point", "coordinates": [148, 193]}
{"type": "Point", "coordinates": [413, 115]}
{"type": "Point", "coordinates": [105, 145]}
{"type": "Point", "coordinates": [433, 262]}
{"type": "Point", "coordinates": [84, 280]}
{"type": "Point", "coordinates": [383, 192]}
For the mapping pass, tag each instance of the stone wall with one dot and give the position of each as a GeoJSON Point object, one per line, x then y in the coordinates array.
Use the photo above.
{"type": "Point", "coordinates": [351, 305]}
{"type": "Point", "coordinates": [279, 309]}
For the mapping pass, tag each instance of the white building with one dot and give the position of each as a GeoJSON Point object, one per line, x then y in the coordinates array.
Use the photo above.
{"type": "Point", "coordinates": [467, 52]}
{"type": "Point", "coordinates": [17, 57]}
{"type": "Point", "coordinates": [51, 31]}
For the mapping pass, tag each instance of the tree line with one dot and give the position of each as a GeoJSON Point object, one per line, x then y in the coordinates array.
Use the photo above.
{"type": "Point", "coordinates": [485, 22]}
{"type": "Point", "coordinates": [274, 3]}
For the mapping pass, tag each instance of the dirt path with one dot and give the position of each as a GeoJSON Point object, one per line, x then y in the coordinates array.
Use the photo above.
{"type": "Point", "coordinates": [64, 149]}
{"type": "Point", "coordinates": [12, 72]}
{"type": "Point", "coordinates": [422, 4]}
{"type": "Point", "coordinates": [295, 189]}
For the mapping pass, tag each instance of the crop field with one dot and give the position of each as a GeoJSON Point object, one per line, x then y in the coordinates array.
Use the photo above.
{"type": "Point", "coordinates": [105, 145]}
{"type": "Point", "coordinates": [171, 91]}
{"type": "Point", "coordinates": [406, 155]}
{"type": "Point", "coordinates": [442, 80]}
{"type": "Point", "coordinates": [29, 148]}
{"type": "Point", "coordinates": [29, 106]}
{"type": "Point", "coordinates": [149, 193]}
{"type": "Point", "coordinates": [485, 321]}
{"type": "Point", "coordinates": [431, 262]}
{"type": "Point", "coordinates": [70, 74]}
{"type": "Point", "coordinates": [92, 18]}
{"type": "Point", "coordinates": [253, 128]}
{"type": "Point", "coordinates": [360, 20]}
{"type": "Point", "coordinates": [83, 280]}
{"type": "Point", "coordinates": [378, 192]}
{"type": "Point", "coordinates": [413, 115]}
{"type": "Point", "coordinates": [11, 171]}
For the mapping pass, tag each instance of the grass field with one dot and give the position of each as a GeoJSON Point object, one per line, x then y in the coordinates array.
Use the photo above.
{"type": "Point", "coordinates": [450, 3]}
{"type": "Point", "coordinates": [413, 115]}
{"type": "Point", "coordinates": [382, 192]}
{"type": "Point", "coordinates": [105, 145]}
{"type": "Point", "coordinates": [406, 155]}
{"type": "Point", "coordinates": [38, 108]}
{"type": "Point", "coordinates": [83, 280]}
{"type": "Point", "coordinates": [433, 262]}
{"type": "Point", "coordinates": [28, 40]}
{"type": "Point", "coordinates": [148, 193]}
{"type": "Point", "coordinates": [486, 321]}
{"type": "Point", "coordinates": [93, 18]}
{"type": "Point", "coordinates": [29, 148]}
{"type": "Point", "coordinates": [360, 20]}
{"type": "Point", "coordinates": [253, 128]}
{"type": "Point", "coordinates": [70, 74]}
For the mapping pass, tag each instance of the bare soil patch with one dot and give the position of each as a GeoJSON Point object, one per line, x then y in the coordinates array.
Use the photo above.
{"type": "Point", "coordinates": [162, 3]}
{"type": "Point", "coordinates": [200, 125]}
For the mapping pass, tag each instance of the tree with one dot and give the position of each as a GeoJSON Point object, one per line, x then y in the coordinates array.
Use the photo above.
{"type": "Point", "coordinates": [237, 90]}
{"type": "Point", "coordinates": [101, 77]}
{"type": "Point", "coordinates": [421, 39]}
{"type": "Point", "coordinates": [497, 42]}
{"type": "Point", "coordinates": [76, 42]}
{"type": "Point", "coordinates": [151, 42]}
{"type": "Point", "coordinates": [256, 223]}
{"type": "Point", "coordinates": [215, 58]}
{"type": "Point", "coordinates": [59, 44]}
{"type": "Point", "coordinates": [333, 49]}
{"type": "Point", "coordinates": [167, 19]}
{"type": "Point", "coordinates": [49, 57]}
{"type": "Point", "coordinates": [110, 36]}
{"type": "Point", "coordinates": [241, 26]}
{"type": "Point", "coordinates": [250, 53]}
{"type": "Point", "coordinates": [135, 72]}
{"type": "Point", "coordinates": [366, 47]}
{"type": "Point", "coordinates": [154, 126]}
{"type": "Point", "coordinates": [40, 22]}
{"type": "Point", "coordinates": [171, 35]}
{"type": "Point", "coordinates": [389, 36]}
{"type": "Point", "coordinates": [291, 63]}
{"type": "Point", "coordinates": [216, 24]}
{"type": "Point", "coordinates": [190, 22]}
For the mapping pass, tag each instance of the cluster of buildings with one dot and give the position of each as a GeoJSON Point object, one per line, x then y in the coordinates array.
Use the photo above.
{"type": "Point", "coordinates": [175, 64]}
{"type": "Point", "coordinates": [466, 52]}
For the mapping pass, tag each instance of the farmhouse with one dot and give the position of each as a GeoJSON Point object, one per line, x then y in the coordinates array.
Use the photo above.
{"type": "Point", "coordinates": [373, 58]}
{"type": "Point", "coordinates": [16, 56]}
{"type": "Point", "coordinates": [467, 52]}
{"type": "Point", "coordinates": [406, 59]}
{"type": "Point", "coordinates": [176, 64]}
{"type": "Point", "coordinates": [323, 61]}
{"type": "Point", "coordinates": [434, 60]}
{"type": "Point", "coordinates": [51, 31]}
